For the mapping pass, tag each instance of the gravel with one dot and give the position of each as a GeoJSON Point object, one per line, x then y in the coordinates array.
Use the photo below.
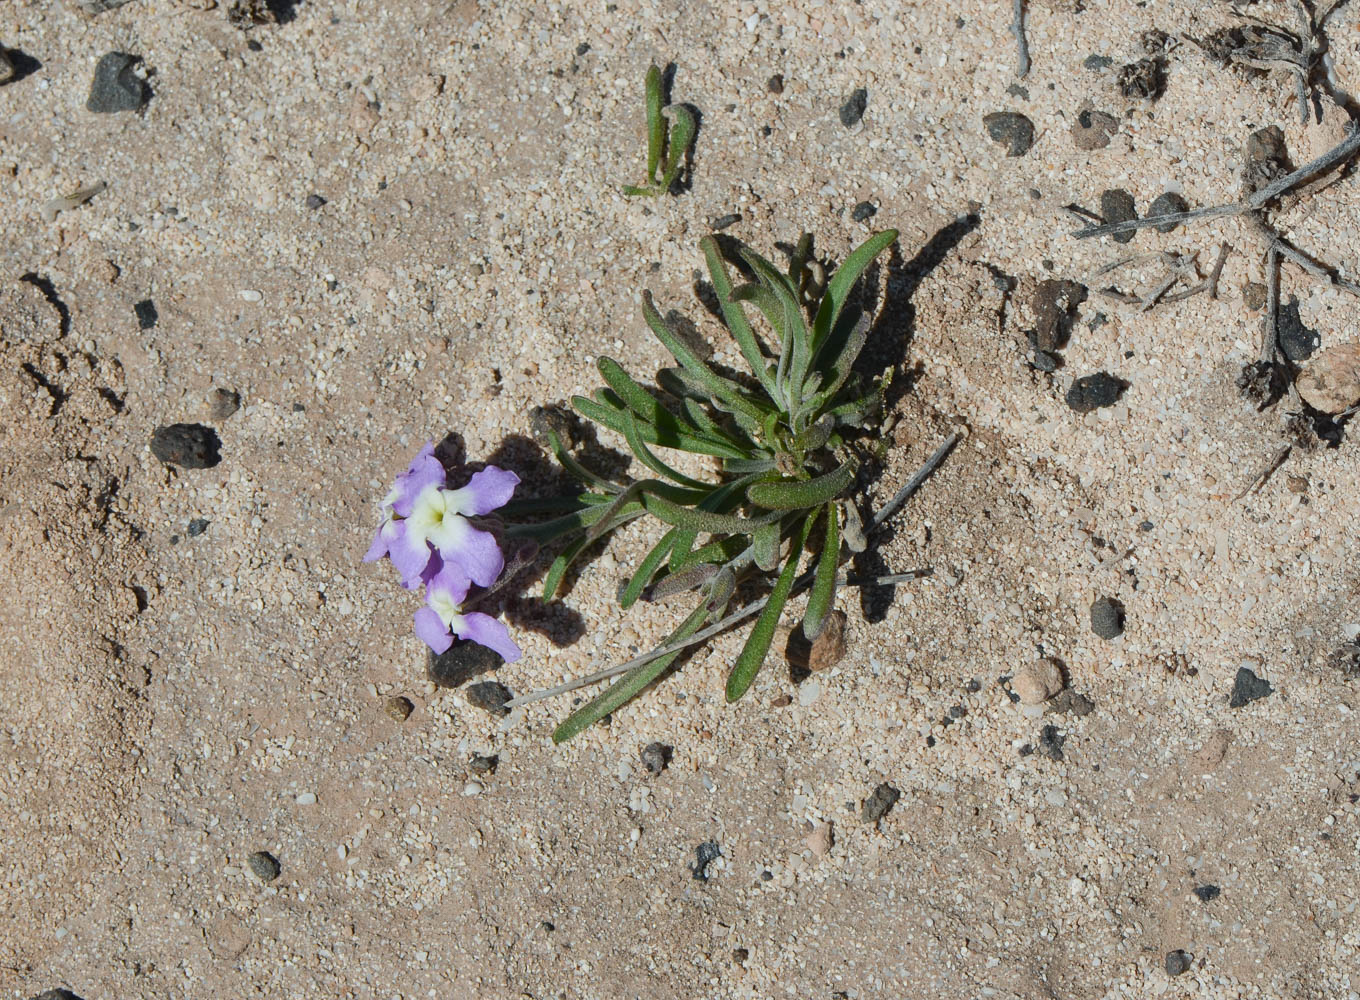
{"type": "Point", "coordinates": [1093, 130]}
{"type": "Point", "coordinates": [1010, 129]}
{"type": "Point", "coordinates": [399, 708]}
{"type": "Point", "coordinates": [1069, 702]}
{"type": "Point", "coordinates": [1037, 682]}
{"type": "Point", "coordinates": [116, 85]}
{"type": "Point", "coordinates": [656, 757]}
{"type": "Point", "coordinates": [145, 311]}
{"type": "Point", "coordinates": [1207, 893]}
{"type": "Point", "coordinates": [265, 866]}
{"type": "Point", "coordinates": [1177, 962]}
{"type": "Point", "coordinates": [852, 111]}
{"type": "Point", "coordinates": [775, 84]}
{"type": "Point", "coordinates": [484, 764]}
{"type": "Point", "coordinates": [313, 202]}
{"type": "Point", "coordinates": [1117, 205]}
{"type": "Point", "coordinates": [489, 696]}
{"type": "Point", "coordinates": [1051, 742]}
{"type": "Point", "coordinates": [1296, 340]}
{"type": "Point", "coordinates": [222, 403]}
{"type": "Point", "coordinates": [879, 803]}
{"type": "Point", "coordinates": [1091, 392]}
{"type": "Point", "coordinates": [197, 527]}
{"type": "Point", "coordinates": [704, 855]}
{"type": "Point", "coordinates": [1107, 618]}
{"type": "Point", "coordinates": [190, 446]}
{"type": "Point", "coordinates": [1247, 687]}
{"type": "Point", "coordinates": [863, 211]}
{"type": "Point", "coordinates": [1167, 203]}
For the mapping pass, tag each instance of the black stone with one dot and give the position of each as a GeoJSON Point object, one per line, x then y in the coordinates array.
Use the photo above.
{"type": "Point", "coordinates": [1107, 618]}
{"type": "Point", "coordinates": [484, 763]}
{"type": "Point", "coordinates": [775, 84]}
{"type": "Point", "coordinates": [1054, 305]}
{"type": "Point", "coordinates": [146, 314]}
{"type": "Point", "coordinates": [1097, 63]}
{"type": "Point", "coordinates": [197, 526]}
{"type": "Point", "coordinates": [115, 86]}
{"type": "Point", "coordinates": [582, 48]}
{"type": "Point", "coordinates": [314, 201]}
{"type": "Point", "coordinates": [1167, 203]}
{"type": "Point", "coordinates": [1051, 742]}
{"type": "Point", "coordinates": [190, 446]}
{"type": "Point", "coordinates": [1091, 392]}
{"type": "Point", "coordinates": [1177, 962]}
{"type": "Point", "coordinates": [489, 696]}
{"type": "Point", "coordinates": [460, 663]}
{"type": "Point", "coordinates": [704, 855]}
{"type": "Point", "coordinates": [723, 221]}
{"type": "Point", "coordinates": [1296, 340]}
{"type": "Point", "coordinates": [265, 866]}
{"type": "Point", "coordinates": [1207, 893]}
{"type": "Point", "coordinates": [864, 210]}
{"type": "Point", "coordinates": [879, 802]}
{"type": "Point", "coordinates": [1015, 90]}
{"type": "Point", "coordinates": [1117, 205]}
{"type": "Point", "coordinates": [1044, 362]}
{"type": "Point", "coordinates": [1010, 129]}
{"type": "Point", "coordinates": [852, 111]}
{"type": "Point", "coordinates": [656, 757]}
{"type": "Point", "coordinates": [57, 994]}
{"type": "Point", "coordinates": [1247, 687]}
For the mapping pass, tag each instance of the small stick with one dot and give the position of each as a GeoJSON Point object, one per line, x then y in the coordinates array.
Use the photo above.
{"type": "Point", "coordinates": [1339, 153]}
{"type": "Point", "coordinates": [1111, 228]}
{"type": "Point", "coordinates": [622, 668]}
{"type": "Point", "coordinates": [914, 483]}
{"type": "Point", "coordinates": [1270, 343]}
{"type": "Point", "coordinates": [1186, 293]}
{"type": "Point", "coordinates": [1150, 300]}
{"type": "Point", "coordinates": [1118, 296]}
{"type": "Point", "coordinates": [1021, 45]}
{"type": "Point", "coordinates": [1217, 272]}
{"type": "Point", "coordinates": [1267, 472]}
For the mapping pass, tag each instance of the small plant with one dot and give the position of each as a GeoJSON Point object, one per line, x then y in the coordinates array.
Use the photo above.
{"type": "Point", "coordinates": [667, 144]}
{"type": "Point", "coordinates": [784, 437]}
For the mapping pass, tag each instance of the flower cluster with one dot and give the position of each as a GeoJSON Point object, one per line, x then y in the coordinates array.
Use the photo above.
{"type": "Point", "coordinates": [428, 533]}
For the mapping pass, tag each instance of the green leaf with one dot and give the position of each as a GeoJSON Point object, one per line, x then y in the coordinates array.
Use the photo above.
{"type": "Point", "coordinates": [765, 545]}
{"type": "Point", "coordinates": [839, 287]}
{"type": "Point", "coordinates": [717, 387]}
{"type": "Point", "coordinates": [720, 590]}
{"type": "Point", "coordinates": [648, 458]}
{"type": "Point", "coordinates": [677, 583]}
{"type": "Point", "coordinates": [701, 520]}
{"type": "Point", "coordinates": [559, 566]}
{"type": "Point", "coordinates": [840, 359]}
{"type": "Point", "coordinates": [643, 576]}
{"type": "Point", "coordinates": [615, 418]}
{"type": "Point", "coordinates": [633, 191]}
{"type": "Point", "coordinates": [799, 258]}
{"type": "Point", "coordinates": [648, 409]}
{"type": "Point", "coordinates": [796, 494]}
{"type": "Point", "coordinates": [823, 595]}
{"type": "Point", "coordinates": [758, 642]}
{"type": "Point", "coordinates": [737, 323]}
{"type": "Point", "coordinates": [631, 684]}
{"type": "Point", "coordinates": [683, 548]}
{"type": "Point", "coordinates": [795, 347]}
{"type": "Point", "coordinates": [682, 133]}
{"type": "Point", "coordinates": [857, 411]}
{"type": "Point", "coordinates": [656, 124]}
{"type": "Point", "coordinates": [575, 468]}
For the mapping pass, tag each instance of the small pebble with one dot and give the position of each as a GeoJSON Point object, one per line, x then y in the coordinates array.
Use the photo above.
{"type": "Point", "coordinates": [1096, 63]}
{"type": "Point", "coordinates": [821, 839]}
{"type": "Point", "coordinates": [822, 653]}
{"type": "Point", "coordinates": [1265, 157]}
{"type": "Point", "coordinates": [1254, 295]}
{"type": "Point", "coordinates": [1117, 205]}
{"type": "Point", "coordinates": [864, 210]}
{"type": "Point", "coordinates": [1107, 618]}
{"type": "Point", "coordinates": [265, 866]}
{"type": "Point", "coordinates": [775, 84]}
{"type": "Point", "coordinates": [1207, 893]}
{"type": "Point", "coordinates": [399, 708]}
{"type": "Point", "coordinates": [1167, 203]}
{"type": "Point", "coordinates": [313, 202]}
{"type": "Point", "coordinates": [1177, 962]}
{"type": "Point", "coordinates": [724, 221]}
{"type": "Point", "coordinates": [222, 403]}
{"type": "Point", "coordinates": [1247, 687]}
{"type": "Point", "coordinates": [1296, 340]}
{"type": "Point", "coordinates": [1054, 304]}
{"type": "Point", "coordinates": [484, 763]}
{"type": "Point", "coordinates": [1069, 702]}
{"type": "Point", "coordinates": [704, 855]}
{"type": "Point", "coordinates": [1010, 129]}
{"type": "Point", "coordinates": [879, 802]}
{"type": "Point", "coordinates": [489, 696]}
{"type": "Point", "coordinates": [1051, 742]}
{"type": "Point", "coordinates": [306, 799]}
{"type": "Point", "coordinates": [1093, 130]}
{"type": "Point", "coordinates": [146, 314]}
{"type": "Point", "coordinates": [190, 446]}
{"type": "Point", "coordinates": [1091, 392]}
{"type": "Point", "coordinates": [1037, 682]}
{"type": "Point", "coordinates": [852, 111]}
{"type": "Point", "coordinates": [472, 789]}
{"type": "Point", "coordinates": [116, 86]}
{"type": "Point", "coordinates": [250, 295]}
{"type": "Point", "coordinates": [1331, 382]}
{"type": "Point", "coordinates": [197, 526]}
{"type": "Point", "coordinates": [656, 757]}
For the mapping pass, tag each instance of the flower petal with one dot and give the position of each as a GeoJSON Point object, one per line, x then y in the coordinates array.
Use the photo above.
{"type": "Point", "coordinates": [411, 555]}
{"type": "Point", "coordinates": [473, 550]}
{"type": "Point", "coordinates": [380, 544]}
{"type": "Point", "coordinates": [487, 490]}
{"type": "Point", "coordinates": [433, 632]}
{"type": "Point", "coordinates": [447, 586]}
{"type": "Point", "coordinates": [489, 632]}
{"type": "Point", "coordinates": [425, 470]}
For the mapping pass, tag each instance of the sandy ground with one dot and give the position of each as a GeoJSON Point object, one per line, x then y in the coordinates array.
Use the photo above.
{"type": "Point", "coordinates": [175, 701]}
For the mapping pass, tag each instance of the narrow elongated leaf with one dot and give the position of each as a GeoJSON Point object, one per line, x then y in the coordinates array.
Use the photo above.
{"type": "Point", "coordinates": [602, 526]}
{"type": "Point", "coordinates": [758, 642]}
{"type": "Point", "coordinates": [717, 386]}
{"type": "Point", "coordinates": [656, 124]}
{"type": "Point", "coordinates": [644, 573]}
{"type": "Point", "coordinates": [796, 341]}
{"type": "Point", "coordinates": [720, 591]}
{"type": "Point", "coordinates": [582, 474]}
{"type": "Point", "coordinates": [737, 323]}
{"type": "Point", "coordinates": [823, 595]}
{"type": "Point", "coordinates": [839, 287]}
{"type": "Point", "coordinates": [553, 579]}
{"type": "Point", "coordinates": [794, 494]}
{"type": "Point", "coordinates": [682, 133]}
{"type": "Point", "coordinates": [682, 551]}
{"type": "Point", "coordinates": [765, 543]}
{"type": "Point", "coordinates": [615, 418]}
{"type": "Point", "coordinates": [764, 299]}
{"type": "Point", "coordinates": [647, 457]}
{"type": "Point", "coordinates": [678, 583]}
{"type": "Point", "coordinates": [702, 520]}
{"type": "Point", "coordinates": [840, 365]}
{"type": "Point", "coordinates": [799, 258]}
{"type": "Point", "coordinates": [646, 406]}
{"type": "Point", "coordinates": [631, 684]}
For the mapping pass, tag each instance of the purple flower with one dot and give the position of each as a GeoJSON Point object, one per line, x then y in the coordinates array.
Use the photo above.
{"type": "Point", "coordinates": [409, 554]}
{"type": "Point", "coordinates": [439, 517]}
{"type": "Point", "coordinates": [442, 618]}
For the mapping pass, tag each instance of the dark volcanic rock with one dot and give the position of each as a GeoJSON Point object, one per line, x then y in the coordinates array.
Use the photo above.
{"type": "Point", "coordinates": [115, 86]}
{"type": "Point", "coordinates": [1117, 205]}
{"type": "Point", "coordinates": [880, 801]}
{"type": "Point", "coordinates": [190, 446]}
{"type": "Point", "coordinates": [1167, 203]}
{"type": "Point", "coordinates": [489, 696]}
{"type": "Point", "coordinates": [852, 111]}
{"type": "Point", "coordinates": [1247, 687]}
{"type": "Point", "coordinates": [1010, 129]}
{"type": "Point", "coordinates": [704, 855]}
{"type": "Point", "coordinates": [1091, 392]}
{"type": "Point", "coordinates": [1107, 618]}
